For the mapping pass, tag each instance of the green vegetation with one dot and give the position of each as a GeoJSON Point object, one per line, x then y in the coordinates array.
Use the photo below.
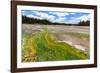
{"type": "Point", "coordinates": [44, 47]}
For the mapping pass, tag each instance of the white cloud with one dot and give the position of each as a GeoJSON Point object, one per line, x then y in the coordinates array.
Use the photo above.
{"type": "Point", "coordinates": [63, 20]}
{"type": "Point", "coordinates": [42, 14]}
{"type": "Point", "coordinates": [51, 18]}
{"type": "Point", "coordinates": [59, 14]}
{"type": "Point", "coordinates": [60, 20]}
{"type": "Point", "coordinates": [45, 16]}
{"type": "Point", "coordinates": [23, 12]}
{"type": "Point", "coordinates": [84, 18]}
{"type": "Point", "coordinates": [32, 16]}
{"type": "Point", "coordinates": [73, 21]}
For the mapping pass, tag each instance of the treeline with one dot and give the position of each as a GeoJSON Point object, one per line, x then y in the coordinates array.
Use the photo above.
{"type": "Point", "coordinates": [27, 20]}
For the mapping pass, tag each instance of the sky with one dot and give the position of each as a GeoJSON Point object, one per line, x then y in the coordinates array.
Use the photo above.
{"type": "Point", "coordinates": [57, 17]}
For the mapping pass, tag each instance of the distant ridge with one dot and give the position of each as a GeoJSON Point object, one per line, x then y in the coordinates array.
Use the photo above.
{"type": "Point", "coordinates": [47, 22]}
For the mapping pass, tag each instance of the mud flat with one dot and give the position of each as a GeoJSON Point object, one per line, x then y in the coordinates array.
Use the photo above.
{"type": "Point", "coordinates": [76, 36]}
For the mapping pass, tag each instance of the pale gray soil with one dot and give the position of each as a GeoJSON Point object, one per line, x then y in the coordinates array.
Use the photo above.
{"type": "Point", "coordinates": [29, 28]}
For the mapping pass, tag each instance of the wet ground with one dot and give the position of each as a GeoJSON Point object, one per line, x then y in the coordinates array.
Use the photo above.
{"type": "Point", "coordinates": [76, 36]}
